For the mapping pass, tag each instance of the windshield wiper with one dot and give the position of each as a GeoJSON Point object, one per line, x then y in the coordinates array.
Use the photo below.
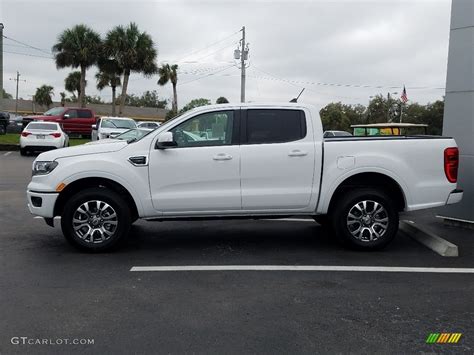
{"type": "Point", "coordinates": [131, 140]}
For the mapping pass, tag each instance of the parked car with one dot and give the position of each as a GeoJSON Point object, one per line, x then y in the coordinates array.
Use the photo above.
{"type": "Point", "coordinates": [255, 161]}
{"type": "Point", "coordinates": [72, 120]}
{"type": "Point", "coordinates": [331, 134]}
{"type": "Point", "coordinates": [4, 121]}
{"type": "Point", "coordinates": [15, 124]}
{"type": "Point", "coordinates": [130, 135]}
{"type": "Point", "coordinates": [148, 124]}
{"type": "Point", "coordinates": [41, 136]}
{"type": "Point", "coordinates": [109, 127]}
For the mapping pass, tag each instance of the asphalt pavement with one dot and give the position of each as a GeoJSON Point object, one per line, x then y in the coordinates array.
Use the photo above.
{"type": "Point", "coordinates": [50, 293]}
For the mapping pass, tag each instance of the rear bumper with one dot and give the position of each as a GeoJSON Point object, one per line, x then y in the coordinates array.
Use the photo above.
{"type": "Point", "coordinates": [42, 203]}
{"type": "Point", "coordinates": [455, 197]}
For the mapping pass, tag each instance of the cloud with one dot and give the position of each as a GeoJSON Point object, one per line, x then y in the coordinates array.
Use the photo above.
{"type": "Point", "coordinates": [292, 44]}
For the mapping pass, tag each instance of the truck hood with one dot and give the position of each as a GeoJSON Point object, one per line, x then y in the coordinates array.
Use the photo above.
{"type": "Point", "coordinates": [84, 149]}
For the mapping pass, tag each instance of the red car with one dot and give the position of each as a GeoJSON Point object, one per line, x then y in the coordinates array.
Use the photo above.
{"type": "Point", "coordinates": [72, 120]}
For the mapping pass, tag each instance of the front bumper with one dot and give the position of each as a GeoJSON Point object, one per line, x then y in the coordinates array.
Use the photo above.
{"type": "Point", "coordinates": [455, 197]}
{"type": "Point", "coordinates": [42, 203]}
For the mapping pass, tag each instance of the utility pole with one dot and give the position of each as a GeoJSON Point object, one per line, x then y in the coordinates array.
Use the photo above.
{"type": "Point", "coordinates": [17, 81]}
{"type": "Point", "coordinates": [1, 65]}
{"type": "Point", "coordinates": [242, 54]}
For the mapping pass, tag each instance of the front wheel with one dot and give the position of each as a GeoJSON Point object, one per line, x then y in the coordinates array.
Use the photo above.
{"type": "Point", "coordinates": [365, 219]}
{"type": "Point", "coordinates": [96, 219]}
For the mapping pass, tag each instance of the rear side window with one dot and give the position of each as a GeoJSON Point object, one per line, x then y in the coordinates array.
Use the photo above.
{"type": "Point", "coordinates": [84, 114]}
{"type": "Point", "coordinates": [275, 126]}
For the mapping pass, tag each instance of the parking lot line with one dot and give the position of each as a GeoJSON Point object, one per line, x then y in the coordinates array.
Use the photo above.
{"type": "Point", "coordinates": [439, 270]}
{"type": "Point", "coordinates": [6, 154]}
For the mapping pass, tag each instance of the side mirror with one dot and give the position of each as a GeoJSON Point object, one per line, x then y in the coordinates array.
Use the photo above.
{"type": "Point", "coordinates": [165, 140]}
{"type": "Point", "coordinates": [94, 127]}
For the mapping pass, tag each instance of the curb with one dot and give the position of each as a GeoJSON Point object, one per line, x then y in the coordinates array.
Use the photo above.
{"type": "Point", "coordinates": [428, 239]}
{"type": "Point", "coordinates": [9, 147]}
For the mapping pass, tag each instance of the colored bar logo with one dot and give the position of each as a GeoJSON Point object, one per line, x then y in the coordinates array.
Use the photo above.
{"type": "Point", "coordinates": [443, 338]}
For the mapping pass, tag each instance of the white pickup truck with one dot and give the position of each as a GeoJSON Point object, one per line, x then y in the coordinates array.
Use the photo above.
{"type": "Point", "coordinates": [244, 161]}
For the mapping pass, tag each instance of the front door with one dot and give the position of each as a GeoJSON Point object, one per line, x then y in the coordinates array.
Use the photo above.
{"type": "Point", "coordinates": [202, 173]}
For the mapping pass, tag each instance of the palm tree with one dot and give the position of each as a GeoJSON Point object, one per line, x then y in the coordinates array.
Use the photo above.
{"type": "Point", "coordinates": [72, 83]}
{"type": "Point", "coordinates": [43, 95]}
{"type": "Point", "coordinates": [109, 75]}
{"type": "Point", "coordinates": [134, 51]}
{"type": "Point", "coordinates": [169, 73]}
{"type": "Point", "coordinates": [78, 47]}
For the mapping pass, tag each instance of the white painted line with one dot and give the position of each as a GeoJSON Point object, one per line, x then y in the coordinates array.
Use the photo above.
{"type": "Point", "coordinates": [437, 270]}
{"type": "Point", "coordinates": [7, 154]}
{"type": "Point", "coordinates": [428, 239]}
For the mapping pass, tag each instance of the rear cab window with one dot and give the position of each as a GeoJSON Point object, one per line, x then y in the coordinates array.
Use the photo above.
{"type": "Point", "coordinates": [265, 126]}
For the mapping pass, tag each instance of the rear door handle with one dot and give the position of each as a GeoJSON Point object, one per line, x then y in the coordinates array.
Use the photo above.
{"type": "Point", "coordinates": [222, 156]}
{"type": "Point", "coordinates": [297, 153]}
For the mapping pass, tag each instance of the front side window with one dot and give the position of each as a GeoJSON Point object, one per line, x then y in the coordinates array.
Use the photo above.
{"type": "Point", "coordinates": [208, 129]}
{"type": "Point", "coordinates": [275, 126]}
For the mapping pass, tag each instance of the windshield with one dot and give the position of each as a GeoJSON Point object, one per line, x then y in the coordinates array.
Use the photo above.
{"type": "Point", "coordinates": [54, 111]}
{"type": "Point", "coordinates": [133, 135]}
{"type": "Point", "coordinates": [117, 123]}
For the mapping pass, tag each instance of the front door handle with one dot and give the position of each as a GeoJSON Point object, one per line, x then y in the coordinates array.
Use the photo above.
{"type": "Point", "coordinates": [297, 153]}
{"type": "Point", "coordinates": [222, 156]}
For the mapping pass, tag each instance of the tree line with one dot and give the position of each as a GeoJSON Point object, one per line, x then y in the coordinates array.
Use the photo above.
{"type": "Point", "coordinates": [339, 116]}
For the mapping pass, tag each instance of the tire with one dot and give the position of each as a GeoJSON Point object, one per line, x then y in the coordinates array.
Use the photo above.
{"type": "Point", "coordinates": [23, 152]}
{"type": "Point", "coordinates": [3, 129]}
{"type": "Point", "coordinates": [358, 227]}
{"type": "Point", "coordinates": [109, 228]}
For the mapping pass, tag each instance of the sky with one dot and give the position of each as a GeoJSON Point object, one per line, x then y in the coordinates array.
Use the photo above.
{"type": "Point", "coordinates": [337, 50]}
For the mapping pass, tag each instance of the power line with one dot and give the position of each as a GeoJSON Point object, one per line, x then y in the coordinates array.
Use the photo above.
{"type": "Point", "coordinates": [27, 45]}
{"type": "Point", "coordinates": [205, 76]}
{"type": "Point", "coordinates": [295, 82]}
{"type": "Point", "coordinates": [29, 55]}
{"type": "Point", "coordinates": [206, 47]}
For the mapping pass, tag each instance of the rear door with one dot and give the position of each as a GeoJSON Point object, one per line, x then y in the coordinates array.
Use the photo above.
{"type": "Point", "coordinates": [277, 159]}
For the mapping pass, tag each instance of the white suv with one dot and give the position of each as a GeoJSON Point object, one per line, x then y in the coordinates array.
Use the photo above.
{"type": "Point", "coordinates": [110, 127]}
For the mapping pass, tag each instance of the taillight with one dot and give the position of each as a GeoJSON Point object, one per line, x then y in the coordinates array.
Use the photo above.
{"type": "Point", "coordinates": [451, 162]}
{"type": "Point", "coordinates": [55, 135]}
{"type": "Point", "coordinates": [25, 134]}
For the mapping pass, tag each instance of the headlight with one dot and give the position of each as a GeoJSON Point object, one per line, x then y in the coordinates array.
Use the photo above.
{"type": "Point", "coordinates": [43, 167]}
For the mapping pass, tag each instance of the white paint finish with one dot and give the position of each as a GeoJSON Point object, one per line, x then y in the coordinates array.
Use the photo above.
{"type": "Point", "coordinates": [274, 177]}
{"type": "Point", "coordinates": [190, 179]}
{"type": "Point", "coordinates": [435, 270]}
{"type": "Point", "coordinates": [189, 182]}
{"type": "Point", "coordinates": [44, 138]}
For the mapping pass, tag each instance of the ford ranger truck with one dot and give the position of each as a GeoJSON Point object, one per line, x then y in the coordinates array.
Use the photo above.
{"type": "Point", "coordinates": [72, 120]}
{"type": "Point", "coordinates": [244, 161]}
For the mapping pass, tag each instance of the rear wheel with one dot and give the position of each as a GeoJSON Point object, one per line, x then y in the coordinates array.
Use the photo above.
{"type": "Point", "coordinates": [365, 219]}
{"type": "Point", "coordinates": [96, 219]}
